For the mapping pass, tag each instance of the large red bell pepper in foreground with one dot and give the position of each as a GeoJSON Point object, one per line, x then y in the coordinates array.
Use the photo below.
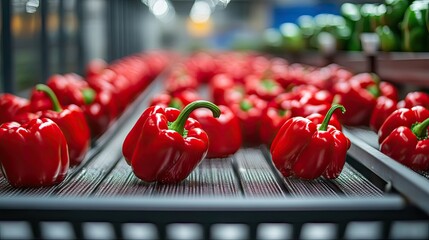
{"type": "Point", "coordinates": [306, 150]}
{"type": "Point", "coordinates": [33, 154]}
{"type": "Point", "coordinates": [224, 131]}
{"type": "Point", "coordinates": [72, 123]}
{"type": "Point", "coordinates": [165, 145]}
{"type": "Point", "coordinates": [408, 141]}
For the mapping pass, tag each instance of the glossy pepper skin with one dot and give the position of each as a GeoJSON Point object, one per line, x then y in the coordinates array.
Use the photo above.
{"type": "Point", "coordinates": [11, 106]}
{"type": "Point", "coordinates": [382, 109]}
{"type": "Point", "coordinates": [402, 117]}
{"type": "Point", "coordinates": [165, 145]}
{"type": "Point", "coordinates": [413, 99]}
{"type": "Point", "coordinates": [409, 145]}
{"type": "Point", "coordinates": [72, 123]}
{"type": "Point", "coordinates": [359, 96]}
{"type": "Point", "coordinates": [33, 154]}
{"type": "Point", "coordinates": [99, 107]}
{"type": "Point", "coordinates": [224, 131]}
{"type": "Point", "coordinates": [307, 150]}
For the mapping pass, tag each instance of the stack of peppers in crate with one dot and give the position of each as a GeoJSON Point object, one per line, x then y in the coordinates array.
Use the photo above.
{"type": "Point", "coordinates": [42, 136]}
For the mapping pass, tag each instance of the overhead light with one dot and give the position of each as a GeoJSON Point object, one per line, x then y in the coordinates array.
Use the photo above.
{"type": "Point", "coordinates": [161, 9]}
{"type": "Point", "coordinates": [200, 11]}
{"type": "Point", "coordinates": [31, 6]}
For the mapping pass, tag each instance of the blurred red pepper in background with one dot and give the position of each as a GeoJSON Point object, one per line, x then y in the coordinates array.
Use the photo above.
{"type": "Point", "coordinates": [308, 150]}
{"type": "Point", "coordinates": [359, 96]}
{"type": "Point", "coordinates": [72, 123]}
{"type": "Point", "coordinates": [95, 67]}
{"type": "Point", "coordinates": [12, 105]}
{"type": "Point", "coordinates": [218, 85]}
{"type": "Point", "coordinates": [262, 86]}
{"type": "Point", "coordinates": [273, 117]}
{"type": "Point", "coordinates": [33, 154]}
{"type": "Point", "coordinates": [382, 109]}
{"type": "Point", "coordinates": [180, 79]}
{"type": "Point", "coordinates": [224, 131]}
{"type": "Point", "coordinates": [176, 100]}
{"type": "Point", "coordinates": [249, 112]}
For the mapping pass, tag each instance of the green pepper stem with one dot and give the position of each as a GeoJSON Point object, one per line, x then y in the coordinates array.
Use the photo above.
{"type": "Point", "coordinates": [268, 84]}
{"type": "Point", "coordinates": [176, 103]}
{"type": "Point", "coordinates": [325, 123]}
{"type": "Point", "coordinates": [375, 89]}
{"type": "Point", "coordinates": [179, 124]}
{"type": "Point", "coordinates": [88, 95]}
{"type": "Point", "coordinates": [54, 100]}
{"type": "Point", "coordinates": [420, 129]}
{"type": "Point", "coordinates": [245, 105]}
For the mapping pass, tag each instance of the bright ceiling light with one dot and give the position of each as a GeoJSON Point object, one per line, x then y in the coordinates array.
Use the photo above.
{"type": "Point", "coordinates": [200, 12]}
{"type": "Point", "coordinates": [160, 8]}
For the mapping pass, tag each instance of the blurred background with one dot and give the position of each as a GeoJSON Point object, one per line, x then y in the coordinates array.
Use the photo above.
{"type": "Point", "coordinates": [42, 37]}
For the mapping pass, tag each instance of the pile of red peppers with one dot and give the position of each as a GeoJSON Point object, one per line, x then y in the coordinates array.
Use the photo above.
{"type": "Point", "coordinates": [44, 135]}
{"type": "Point", "coordinates": [212, 104]}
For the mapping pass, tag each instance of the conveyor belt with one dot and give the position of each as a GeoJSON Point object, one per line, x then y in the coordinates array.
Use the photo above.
{"type": "Point", "coordinates": [242, 188]}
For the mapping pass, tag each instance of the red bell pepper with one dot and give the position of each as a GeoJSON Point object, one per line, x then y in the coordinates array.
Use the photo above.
{"type": "Point", "coordinates": [264, 87]}
{"type": "Point", "coordinates": [415, 99]}
{"type": "Point", "coordinates": [249, 112]}
{"type": "Point", "coordinates": [307, 150]}
{"type": "Point", "coordinates": [273, 117]}
{"type": "Point", "coordinates": [382, 109]}
{"type": "Point", "coordinates": [179, 79]}
{"type": "Point", "coordinates": [176, 100]}
{"type": "Point", "coordinates": [100, 112]}
{"type": "Point", "coordinates": [359, 96]}
{"type": "Point", "coordinates": [72, 123]}
{"type": "Point", "coordinates": [304, 100]}
{"type": "Point", "coordinates": [116, 84]}
{"type": "Point", "coordinates": [33, 154]}
{"type": "Point", "coordinates": [402, 117]}
{"type": "Point", "coordinates": [70, 88]}
{"type": "Point", "coordinates": [409, 144]}
{"type": "Point", "coordinates": [99, 106]}
{"type": "Point", "coordinates": [202, 66]}
{"type": "Point", "coordinates": [95, 67]}
{"type": "Point", "coordinates": [165, 145]}
{"type": "Point", "coordinates": [317, 118]}
{"type": "Point", "coordinates": [218, 85]}
{"type": "Point", "coordinates": [11, 105]}
{"type": "Point", "coordinates": [224, 132]}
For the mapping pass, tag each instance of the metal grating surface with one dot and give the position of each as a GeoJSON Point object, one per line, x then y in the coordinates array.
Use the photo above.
{"type": "Point", "coordinates": [247, 174]}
